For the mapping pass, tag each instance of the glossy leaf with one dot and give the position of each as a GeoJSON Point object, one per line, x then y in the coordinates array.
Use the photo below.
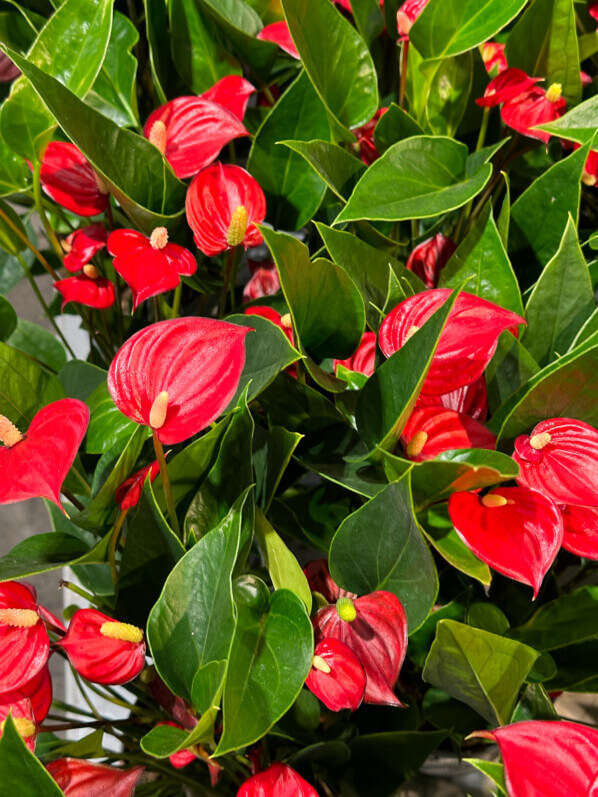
{"type": "Point", "coordinates": [338, 168]}
{"type": "Point", "coordinates": [11, 241]}
{"type": "Point", "coordinates": [8, 318]}
{"type": "Point", "coordinates": [38, 342]}
{"type": "Point", "coordinates": [441, 534]}
{"type": "Point", "coordinates": [567, 620]}
{"type": "Point", "coordinates": [20, 770]}
{"type": "Point", "coordinates": [107, 425]}
{"type": "Point", "coordinates": [25, 387]}
{"type": "Point", "coordinates": [283, 567]}
{"type": "Point", "coordinates": [272, 451]}
{"type": "Point", "coordinates": [42, 553]}
{"type": "Point", "coordinates": [449, 86]}
{"type": "Point", "coordinates": [395, 125]}
{"type": "Point", "coordinates": [510, 368]}
{"type": "Point", "coordinates": [14, 174]}
{"type": "Point", "coordinates": [579, 124]}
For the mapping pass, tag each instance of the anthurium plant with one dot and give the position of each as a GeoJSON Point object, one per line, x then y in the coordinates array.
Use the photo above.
{"type": "Point", "coordinates": [325, 476]}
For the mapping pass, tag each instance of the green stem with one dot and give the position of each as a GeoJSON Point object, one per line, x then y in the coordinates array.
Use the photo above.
{"type": "Point", "coordinates": [483, 130]}
{"type": "Point", "coordinates": [176, 304]}
{"type": "Point", "coordinates": [79, 591]}
{"type": "Point", "coordinates": [225, 282]}
{"type": "Point", "coordinates": [119, 308]}
{"type": "Point", "coordinates": [39, 204]}
{"type": "Point", "coordinates": [84, 694]}
{"type": "Point", "coordinates": [74, 501]}
{"type": "Point", "coordinates": [113, 544]}
{"type": "Point", "coordinates": [81, 479]}
{"type": "Point", "coordinates": [403, 78]}
{"type": "Point", "coordinates": [7, 220]}
{"type": "Point", "coordinates": [166, 486]}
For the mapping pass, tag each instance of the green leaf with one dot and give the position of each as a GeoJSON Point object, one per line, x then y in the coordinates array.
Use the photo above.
{"type": "Point", "coordinates": [191, 626]}
{"type": "Point", "coordinates": [579, 124]}
{"type": "Point", "coordinates": [379, 547]}
{"type": "Point", "coordinates": [80, 379]}
{"type": "Point", "coordinates": [449, 27]}
{"type": "Point", "coordinates": [565, 621]}
{"type": "Point", "coordinates": [25, 387]}
{"type": "Point", "coordinates": [42, 553]}
{"type": "Point", "coordinates": [338, 168]}
{"type": "Point", "coordinates": [10, 241]}
{"type": "Point", "coordinates": [394, 125]}
{"type": "Point", "coordinates": [561, 301]}
{"type": "Point", "coordinates": [510, 368]}
{"type": "Point", "coordinates": [535, 704]}
{"type": "Point", "coordinates": [284, 569]}
{"type": "Point", "coordinates": [336, 59]}
{"type": "Point", "coordinates": [483, 670]}
{"type": "Point", "coordinates": [8, 319]}
{"type": "Point", "coordinates": [437, 526]}
{"type": "Point", "coordinates": [134, 170]}
{"type": "Point", "coordinates": [368, 18]}
{"type": "Point", "coordinates": [38, 342]}
{"type": "Point", "coordinates": [20, 771]}
{"type": "Point", "coordinates": [270, 658]}
{"type": "Point", "coordinates": [450, 82]}
{"type": "Point", "coordinates": [544, 44]}
{"type": "Point", "coordinates": [163, 71]}
{"type": "Point", "coordinates": [421, 641]}
{"type": "Point", "coordinates": [481, 265]}
{"type": "Point", "coordinates": [293, 190]}
{"type": "Point", "coordinates": [70, 47]}
{"type": "Point", "coordinates": [417, 178]}
{"type": "Point", "coordinates": [15, 176]}
{"type": "Point", "coordinates": [386, 401]}
{"type": "Point", "coordinates": [492, 769]}
{"type": "Point", "coordinates": [327, 309]}
{"type": "Point", "coordinates": [272, 451]}
{"type": "Point", "coordinates": [164, 740]}
{"type": "Point", "coordinates": [107, 424]}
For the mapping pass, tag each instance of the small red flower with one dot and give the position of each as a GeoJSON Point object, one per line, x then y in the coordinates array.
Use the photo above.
{"type": "Point", "coordinates": [232, 92]}
{"type": "Point", "coordinates": [8, 71]}
{"type": "Point", "coordinates": [149, 379]}
{"type": "Point", "coordinates": [24, 641]}
{"type": "Point", "coordinates": [191, 131]}
{"type": "Point", "coordinates": [432, 430]}
{"type": "Point", "coordinates": [470, 399]}
{"type": "Point", "coordinates": [516, 531]}
{"type": "Point", "coordinates": [128, 494]}
{"type": "Point", "coordinates": [103, 650]}
{"type": "Point", "coordinates": [264, 280]}
{"type": "Point", "coordinates": [493, 56]}
{"type": "Point", "coordinates": [80, 246]}
{"type": "Point", "coordinates": [548, 759]}
{"type": "Point", "coordinates": [69, 178]}
{"type": "Point", "coordinates": [466, 345]}
{"type": "Point", "coordinates": [534, 107]}
{"type": "Point", "coordinates": [580, 534]}
{"type": "Point", "coordinates": [279, 780]}
{"type": "Point", "coordinates": [88, 289]}
{"type": "Point", "coordinates": [21, 712]}
{"type": "Point", "coordinates": [508, 85]}
{"type": "Point", "coordinates": [560, 459]}
{"type": "Point", "coordinates": [35, 464]}
{"type": "Point", "coordinates": [149, 266]}
{"type": "Point", "coordinates": [336, 676]}
{"type": "Point", "coordinates": [406, 16]}
{"type": "Point", "coordinates": [375, 628]}
{"type": "Point", "coordinates": [319, 580]}
{"type": "Point", "coordinates": [223, 205]}
{"type": "Point", "coordinates": [279, 33]}
{"type": "Point", "coordinates": [365, 138]}
{"type": "Point", "coordinates": [429, 258]}
{"type": "Point", "coordinates": [79, 778]}
{"type": "Point", "coordinates": [184, 757]}
{"type": "Point", "coordinates": [364, 359]}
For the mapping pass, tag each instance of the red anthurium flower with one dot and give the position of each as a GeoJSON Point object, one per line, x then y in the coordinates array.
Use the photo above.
{"type": "Point", "coordinates": [580, 535]}
{"type": "Point", "coordinates": [319, 580]}
{"type": "Point", "coordinates": [264, 280]}
{"type": "Point", "coordinates": [103, 650]}
{"type": "Point", "coordinates": [336, 676]}
{"type": "Point", "coordinates": [508, 85]}
{"type": "Point", "coordinates": [149, 266]}
{"type": "Point", "coordinates": [88, 288]}
{"type": "Point", "coordinates": [279, 33]}
{"type": "Point", "coordinates": [35, 464]}
{"type": "Point", "coordinates": [38, 691]}
{"type": "Point", "coordinates": [128, 494]}
{"type": "Point", "coordinates": [586, 79]}
{"type": "Point", "coordinates": [365, 138]}
{"type": "Point", "coordinates": [80, 246]}
{"type": "Point", "coordinates": [24, 641]}
{"type": "Point", "coordinates": [590, 170]}
{"type": "Point", "coordinates": [516, 531]}
{"type": "Point", "coordinates": [8, 71]}
{"type": "Point", "coordinates": [466, 345]}
{"type": "Point", "coordinates": [493, 56]}
{"type": "Point", "coordinates": [279, 780]}
{"type": "Point", "coordinates": [593, 10]}
{"type": "Point", "coordinates": [149, 377]}
{"type": "Point", "coordinates": [534, 107]}
{"type": "Point", "coordinates": [560, 459]}
{"type": "Point", "coordinates": [79, 778]}
{"type": "Point", "coordinates": [364, 358]}
{"type": "Point", "coordinates": [470, 399]}
{"type": "Point", "coordinates": [184, 757]}
{"type": "Point", "coordinates": [432, 430]}
{"type": "Point", "coordinates": [284, 322]}
{"type": "Point", "coordinates": [406, 16]}
{"type": "Point", "coordinates": [429, 258]}
{"type": "Point", "coordinates": [232, 92]}
{"type": "Point", "coordinates": [375, 628]}
{"type": "Point", "coordinates": [19, 707]}
{"type": "Point", "coordinates": [547, 759]}
{"type": "Point", "coordinates": [223, 205]}
{"type": "Point", "coordinates": [191, 131]}
{"type": "Point", "coordinates": [69, 178]}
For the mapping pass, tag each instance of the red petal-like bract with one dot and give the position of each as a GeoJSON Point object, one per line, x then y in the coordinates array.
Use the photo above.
{"type": "Point", "coordinates": [590, 170]}
{"type": "Point", "coordinates": [24, 644]}
{"type": "Point", "coordinates": [129, 492]}
{"type": "Point", "coordinates": [377, 636]}
{"type": "Point", "coordinates": [560, 459]}
{"type": "Point", "coordinates": [232, 92]}
{"type": "Point", "coordinates": [38, 691]}
{"type": "Point", "coordinates": [508, 85]}
{"type": "Point", "coordinates": [429, 258]}
{"type": "Point", "coordinates": [184, 757]}
{"type": "Point", "coordinates": [264, 280]}
{"type": "Point", "coordinates": [516, 531]}
{"type": "Point", "coordinates": [95, 292]}
{"type": "Point", "coordinates": [196, 131]}
{"type": "Point", "coordinates": [547, 759]}
{"type": "Point", "coordinates": [279, 780]}
{"type": "Point", "coordinates": [8, 71]}
{"type": "Point", "coordinates": [197, 361]}
{"type": "Point", "coordinates": [274, 316]}
{"type": "Point", "coordinates": [214, 201]}
{"type": "Point", "coordinates": [101, 658]}
{"type": "Point", "coordinates": [470, 399]}
{"type": "Point", "coordinates": [530, 109]}
{"type": "Point", "coordinates": [580, 533]}
{"type": "Point", "coordinates": [279, 33]}
{"type": "Point", "coordinates": [432, 430]}
{"type": "Point", "coordinates": [406, 16]}
{"type": "Point", "coordinates": [593, 10]}
{"type": "Point", "coordinates": [69, 178]}
{"type": "Point", "coordinates": [82, 245]}
{"type": "Point", "coordinates": [149, 266]}
{"type": "Point", "coordinates": [343, 684]}
{"type": "Point", "coordinates": [493, 56]}
{"type": "Point", "coordinates": [364, 359]}
{"type": "Point", "coordinates": [19, 707]}
{"type": "Point", "coordinates": [319, 580]}
{"type": "Point", "coordinates": [37, 465]}
{"type": "Point", "coordinates": [79, 778]}
{"type": "Point", "coordinates": [365, 138]}
{"type": "Point", "coordinates": [466, 345]}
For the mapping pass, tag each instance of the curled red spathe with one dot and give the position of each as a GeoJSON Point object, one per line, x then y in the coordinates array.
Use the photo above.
{"type": "Point", "coordinates": [279, 780]}
{"type": "Point", "coordinates": [24, 649]}
{"type": "Point", "coordinates": [69, 178]}
{"type": "Point", "coordinates": [79, 778]}
{"type": "Point", "coordinates": [432, 430]}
